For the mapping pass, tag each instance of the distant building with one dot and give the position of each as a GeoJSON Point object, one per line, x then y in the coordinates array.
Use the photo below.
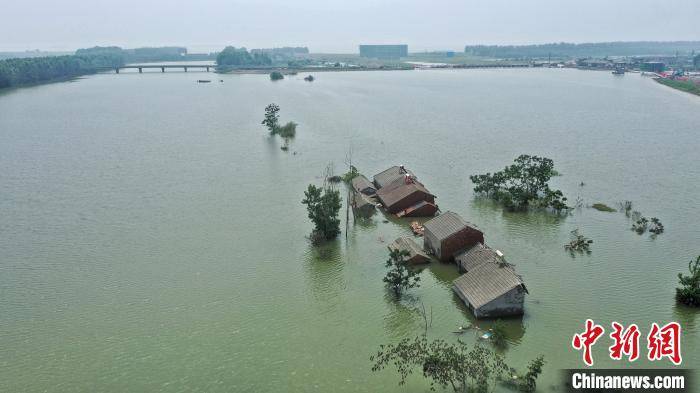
{"type": "Point", "coordinates": [652, 66]}
{"type": "Point", "coordinates": [491, 290]}
{"type": "Point", "coordinates": [384, 51]}
{"type": "Point", "coordinates": [415, 253]}
{"type": "Point", "coordinates": [448, 234]}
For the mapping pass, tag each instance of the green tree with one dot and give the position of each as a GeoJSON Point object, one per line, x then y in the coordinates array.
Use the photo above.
{"type": "Point", "coordinates": [399, 277]}
{"type": "Point", "coordinates": [498, 334]}
{"type": "Point", "coordinates": [323, 205]}
{"type": "Point", "coordinates": [464, 368]}
{"type": "Point", "coordinates": [271, 117]}
{"type": "Point", "coordinates": [578, 243]}
{"type": "Point", "coordinates": [689, 291]}
{"type": "Point", "coordinates": [522, 184]}
{"type": "Point", "coordinates": [288, 130]}
{"type": "Point", "coordinates": [528, 381]}
{"type": "Point", "coordinates": [24, 71]}
{"type": "Point", "coordinates": [235, 57]}
{"type": "Point", "coordinates": [276, 75]}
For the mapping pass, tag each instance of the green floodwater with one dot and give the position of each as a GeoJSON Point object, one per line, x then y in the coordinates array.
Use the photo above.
{"type": "Point", "coordinates": [152, 237]}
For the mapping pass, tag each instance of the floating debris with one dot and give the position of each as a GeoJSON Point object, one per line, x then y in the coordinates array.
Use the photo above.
{"type": "Point", "coordinates": [417, 228]}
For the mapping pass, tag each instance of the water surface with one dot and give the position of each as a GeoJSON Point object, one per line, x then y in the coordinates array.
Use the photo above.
{"type": "Point", "coordinates": [152, 236]}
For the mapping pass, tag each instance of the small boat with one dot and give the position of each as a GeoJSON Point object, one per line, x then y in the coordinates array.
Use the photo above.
{"type": "Point", "coordinates": [203, 81]}
{"type": "Point", "coordinates": [309, 78]}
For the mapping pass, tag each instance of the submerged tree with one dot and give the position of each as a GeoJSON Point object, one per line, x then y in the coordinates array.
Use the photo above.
{"type": "Point", "coordinates": [271, 121]}
{"type": "Point", "coordinates": [528, 381]}
{"type": "Point", "coordinates": [657, 227]}
{"type": "Point", "coordinates": [287, 131]}
{"type": "Point", "coordinates": [498, 334]}
{"type": "Point", "coordinates": [272, 117]}
{"type": "Point", "coordinates": [445, 365]}
{"type": "Point", "coordinates": [640, 225]}
{"type": "Point", "coordinates": [399, 277]}
{"type": "Point", "coordinates": [323, 205]}
{"type": "Point", "coordinates": [351, 174]}
{"type": "Point", "coordinates": [523, 184]}
{"type": "Point", "coordinates": [578, 243]}
{"type": "Point", "coordinates": [689, 292]}
{"type": "Point", "coordinates": [276, 75]}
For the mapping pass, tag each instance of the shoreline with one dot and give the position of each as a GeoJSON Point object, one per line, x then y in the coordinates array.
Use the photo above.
{"type": "Point", "coordinates": [678, 85]}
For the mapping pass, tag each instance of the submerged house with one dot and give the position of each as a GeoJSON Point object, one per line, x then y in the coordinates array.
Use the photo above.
{"type": "Point", "coordinates": [390, 175]}
{"type": "Point", "coordinates": [470, 258]}
{"type": "Point", "coordinates": [402, 194]}
{"type": "Point", "coordinates": [361, 184]}
{"type": "Point", "coordinates": [415, 253]}
{"type": "Point", "coordinates": [491, 290]}
{"type": "Point", "coordinates": [448, 234]}
{"type": "Point", "coordinates": [362, 205]}
{"type": "Point", "coordinates": [406, 193]}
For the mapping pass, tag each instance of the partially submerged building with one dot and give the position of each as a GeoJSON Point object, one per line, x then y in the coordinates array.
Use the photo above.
{"type": "Point", "coordinates": [362, 205]}
{"type": "Point", "coordinates": [415, 253]}
{"type": "Point", "coordinates": [402, 194]}
{"type": "Point", "coordinates": [491, 290]}
{"type": "Point", "coordinates": [447, 234]}
{"type": "Point", "coordinates": [405, 194]}
{"type": "Point", "coordinates": [390, 175]}
{"type": "Point", "coordinates": [478, 254]}
{"type": "Point", "coordinates": [361, 184]}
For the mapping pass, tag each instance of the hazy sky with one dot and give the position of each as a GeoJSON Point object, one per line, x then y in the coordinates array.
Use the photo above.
{"type": "Point", "coordinates": [339, 26]}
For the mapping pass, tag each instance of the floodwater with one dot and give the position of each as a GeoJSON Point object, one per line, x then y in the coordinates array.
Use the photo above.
{"type": "Point", "coordinates": [152, 237]}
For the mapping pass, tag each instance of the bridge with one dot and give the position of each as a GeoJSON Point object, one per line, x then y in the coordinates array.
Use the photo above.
{"type": "Point", "coordinates": [164, 66]}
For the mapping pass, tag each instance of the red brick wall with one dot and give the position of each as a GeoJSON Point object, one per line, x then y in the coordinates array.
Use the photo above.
{"type": "Point", "coordinates": [410, 200]}
{"type": "Point", "coordinates": [459, 241]}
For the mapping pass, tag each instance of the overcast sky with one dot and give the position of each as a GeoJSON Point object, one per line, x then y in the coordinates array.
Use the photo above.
{"type": "Point", "coordinates": [339, 26]}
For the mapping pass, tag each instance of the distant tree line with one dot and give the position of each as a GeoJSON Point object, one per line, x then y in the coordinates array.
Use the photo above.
{"type": "Point", "coordinates": [599, 49]}
{"type": "Point", "coordinates": [147, 54]}
{"type": "Point", "coordinates": [236, 57]}
{"type": "Point", "coordinates": [18, 72]}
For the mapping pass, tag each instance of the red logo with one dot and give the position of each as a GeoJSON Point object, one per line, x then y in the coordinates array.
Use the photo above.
{"type": "Point", "coordinates": [626, 342]}
{"type": "Point", "coordinates": [587, 339]}
{"type": "Point", "coordinates": [662, 342]}
{"type": "Point", "coordinates": [665, 342]}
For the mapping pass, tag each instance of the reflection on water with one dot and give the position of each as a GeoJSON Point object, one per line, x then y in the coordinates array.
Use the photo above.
{"type": "Point", "coordinates": [324, 271]}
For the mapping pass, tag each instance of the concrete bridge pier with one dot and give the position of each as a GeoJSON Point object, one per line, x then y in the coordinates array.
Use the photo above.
{"type": "Point", "coordinates": [185, 69]}
{"type": "Point", "coordinates": [162, 69]}
{"type": "Point", "coordinates": [116, 70]}
{"type": "Point", "coordinates": [140, 70]}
